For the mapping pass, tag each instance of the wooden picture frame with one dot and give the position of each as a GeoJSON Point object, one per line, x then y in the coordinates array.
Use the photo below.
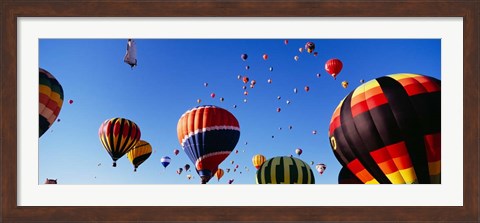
{"type": "Point", "coordinates": [11, 10]}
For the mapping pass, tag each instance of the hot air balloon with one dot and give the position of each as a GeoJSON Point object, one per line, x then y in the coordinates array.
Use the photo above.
{"type": "Point", "coordinates": [228, 170]}
{"type": "Point", "coordinates": [234, 106]}
{"type": "Point", "coordinates": [236, 166]}
{"type": "Point", "coordinates": [140, 152]}
{"type": "Point", "coordinates": [347, 177]}
{"type": "Point", "coordinates": [176, 151]}
{"type": "Point", "coordinates": [252, 86]}
{"type": "Point", "coordinates": [70, 101]}
{"type": "Point", "coordinates": [314, 132]}
{"type": "Point", "coordinates": [247, 67]}
{"type": "Point", "coordinates": [318, 75]}
{"type": "Point", "coordinates": [212, 95]}
{"type": "Point", "coordinates": [118, 136]}
{"type": "Point", "coordinates": [232, 162]}
{"type": "Point", "coordinates": [285, 170]}
{"type": "Point", "coordinates": [269, 81]}
{"type": "Point", "coordinates": [179, 171]}
{"type": "Point", "coordinates": [205, 84]}
{"type": "Point", "coordinates": [208, 134]}
{"type": "Point", "coordinates": [239, 77]}
{"type": "Point", "coordinates": [245, 93]}
{"type": "Point", "coordinates": [50, 100]}
{"type": "Point", "coordinates": [222, 99]}
{"type": "Point", "coordinates": [230, 181]}
{"type": "Point", "coordinates": [362, 81]}
{"type": "Point", "coordinates": [199, 101]}
{"type": "Point", "coordinates": [253, 82]}
{"type": "Point", "coordinates": [388, 130]}
{"type": "Point", "coordinates": [298, 151]}
{"type": "Point", "coordinates": [219, 174]}
{"type": "Point", "coordinates": [270, 69]}
{"type": "Point", "coordinates": [244, 56]}
{"type": "Point", "coordinates": [245, 80]}
{"type": "Point", "coordinates": [279, 109]}
{"type": "Point", "coordinates": [333, 67]}
{"type": "Point", "coordinates": [310, 47]}
{"type": "Point", "coordinates": [295, 58]}
{"type": "Point", "coordinates": [278, 97]}
{"type": "Point", "coordinates": [187, 167]}
{"type": "Point", "coordinates": [131, 55]}
{"type": "Point", "coordinates": [295, 90]}
{"type": "Point", "coordinates": [311, 162]}
{"type": "Point", "coordinates": [285, 42]}
{"type": "Point", "coordinates": [307, 88]}
{"type": "Point", "coordinates": [244, 87]}
{"type": "Point", "coordinates": [315, 53]}
{"type": "Point", "coordinates": [300, 50]}
{"type": "Point", "coordinates": [258, 160]}
{"type": "Point", "coordinates": [50, 181]}
{"type": "Point", "coordinates": [58, 120]}
{"type": "Point", "coordinates": [165, 160]}
{"type": "Point", "coordinates": [344, 84]}
{"type": "Point", "coordinates": [189, 176]}
{"type": "Point", "coordinates": [290, 127]}
{"type": "Point", "coordinates": [245, 100]}
{"type": "Point", "coordinates": [288, 102]}
{"type": "Point", "coordinates": [265, 56]}
{"type": "Point", "coordinates": [320, 168]}
{"type": "Point", "coordinates": [236, 151]}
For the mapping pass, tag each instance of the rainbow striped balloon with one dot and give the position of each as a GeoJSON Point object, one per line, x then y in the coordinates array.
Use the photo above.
{"type": "Point", "coordinates": [208, 134]}
{"type": "Point", "coordinates": [50, 100]}
{"type": "Point", "coordinates": [388, 130]}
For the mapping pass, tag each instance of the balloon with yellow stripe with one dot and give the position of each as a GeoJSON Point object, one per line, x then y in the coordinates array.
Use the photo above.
{"type": "Point", "coordinates": [258, 160]}
{"type": "Point", "coordinates": [285, 170]}
{"type": "Point", "coordinates": [50, 100]}
{"type": "Point", "coordinates": [118, 136]}
{"type": "Point", "coordinates": [388, 130]}
{"type": "Point", "coordinates": [140, 152]}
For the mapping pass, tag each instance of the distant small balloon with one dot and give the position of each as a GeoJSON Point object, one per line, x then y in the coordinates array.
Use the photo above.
{"type": "Point", "coordinates": [278, 97]}
{"type": "Point", "coordinates": [239, 77]}
{"type": "Point", "coordinates": [247, 67]}
{"type": "Point", "coordinates": [198, 101]}
{"type": "Point", "coordinates": [244, 87]}
{"type": "Point", "coordinates": [290, 127]}
{"type": "Point", "coordinates": [318, 75]}
{"type": "Point", "coordinates": [252, 86]}
{"type": "Point", "coordinates": [245, 100]}
{"type": "Point", "coordinates": [230, 181]}
{"type": "Point", "coordinates": [307, 88]}
{"type": "Point", "coordinates": [234, 106]}
{"type": "Point", "coordinates": [288, 102]}
{"type": "Point", "coordinates": [245, 80]}
{"type": "Point", "coordinates": [314, 132]}
{"type": "Point", "coordinates": [212, 95]}
{"type": "Point", "coordinates": [269, 81]}
{"type": "Point", "coordinates": [315, 53]}
{"type": "Point", "coordinates": [300, 50]}
{"type": "Point", "coordinates": [70, 101]}
{"type": "Point", "coordinates": [244, 56]}
{"type": "Point", "coordinates": [245, 93]}
{"type": "Point", "coordinates": [285, 42]}
{"type": "Point", "coordinates": [295, 58]}
{"type": "Point", "coordinates": [295, 90]}
{"type": "Point", "coordinates": [205, 84]}
{"type": "Point", "coordinates": [344, 84]}
{"type": "Point", "coordinates": [265, 56]}
{"type": "Point", "coordinates": [362, 81]}
{"type": "Point", "coordinates": [279, 109]}
{"type": "Point", "coordinates": [270, 69]}
{"type": "Point", "coordinates": [253, 82]}
{"type": "Point", "coordinates": [221, 99]}
{"type": "Point", "coordinates": [299, 151]}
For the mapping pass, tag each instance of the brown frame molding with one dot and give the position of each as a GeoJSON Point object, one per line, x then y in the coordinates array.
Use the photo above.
{"type": "Point", "coordinates": [12, 9]}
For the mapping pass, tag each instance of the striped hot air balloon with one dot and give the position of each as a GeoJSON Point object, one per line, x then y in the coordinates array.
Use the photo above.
{"type": "Point", "coordinates": [347, 177]}
{"type": "Point", "coordinates": [208, 134]}
{"type": "Point", "coordinates": [258, 160]}
{"type": "Point", "coordinates": [285, 170]}
{"type": "Point", "coordinates": [219, 174]}
{"type": "Point", "coordinates": [140, 152]}
{"type": "Point", "coordinates": [50, 100]}
{"type": "Point", "coordinates": [388, 130]}
{"type": "Point", "coordinates": [118, 136]}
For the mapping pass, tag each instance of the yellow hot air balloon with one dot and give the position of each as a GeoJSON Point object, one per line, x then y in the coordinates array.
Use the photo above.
{"type": "Point", "coordinates": [344, 84]}
{"type": "Point", "coordinates": [140, 152]}
{"type": "Point", "coordinates": [219, 173]}
{"type": "Point", "coordinates": [258, 160]}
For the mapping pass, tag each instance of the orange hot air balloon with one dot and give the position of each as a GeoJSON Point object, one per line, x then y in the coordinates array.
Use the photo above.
{"type": "Point", "coordinates": [245, 80]}
{"type": "Point", "coordinates": [258, 160]}
{"type": "Point", "coordinates": [333, 67]}
{"type": "Point", "coordinates": [307, 88]}
{"type": "Point", "coordinates": [219, 174]}
{"type": "Point", "coordinates": [265, 56]}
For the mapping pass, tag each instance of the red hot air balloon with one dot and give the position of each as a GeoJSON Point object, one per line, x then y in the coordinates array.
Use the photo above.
{"type": "Point", "coordinates": [285, 42]}
{"type": "Point", "coordinates": [265, 56]}
{"type": "Point", "coordinates": [388, 130]}
{"type": "Point", "coordinates": [70, 101]}
{"type": "Point", "coordinates": [245, 80]}
{"type": "Point", "coordinates": [333, 67]}
{"type": "Point", "coordinates": [176, 151]}
{"type": "Point", "coordinates": [212, 95]}
{"type": "Point", "coordinates": [208, 134]}
{"type": "Point", "coordinates": [307, 88]}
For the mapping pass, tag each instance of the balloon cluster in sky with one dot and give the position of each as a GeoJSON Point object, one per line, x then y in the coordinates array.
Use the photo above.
{"type": "Point", "coordinates": [387, 130]}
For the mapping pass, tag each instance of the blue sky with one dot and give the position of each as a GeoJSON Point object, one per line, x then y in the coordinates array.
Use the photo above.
{"type": "Point", "coordinates": [169, 79]}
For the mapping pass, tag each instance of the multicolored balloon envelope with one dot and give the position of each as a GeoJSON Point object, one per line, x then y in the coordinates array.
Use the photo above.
{"type": "Point", "coordinates": [387, 130]}
{"type": "Point", "coordinates": [258, 160]}
{"type": "Point", "coordinates": [208, 134]}
{"type": "Point", "coordinates": [118, 136]}
{"type": "Point", "coordinates": [50, 100]}
{"type": "Point", "coordinates": [285, 170]}
{"type": "Point", "coordinates": [140, 152]}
